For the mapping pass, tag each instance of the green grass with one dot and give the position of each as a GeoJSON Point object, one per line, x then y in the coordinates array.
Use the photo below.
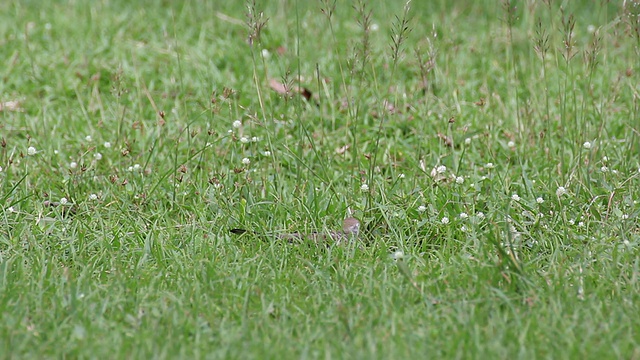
{"type": "Point", "coordinates": [447, 128]}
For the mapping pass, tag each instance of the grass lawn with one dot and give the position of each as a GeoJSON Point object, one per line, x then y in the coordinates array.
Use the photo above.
{"type": "Point", "coordinates": [489, 148]}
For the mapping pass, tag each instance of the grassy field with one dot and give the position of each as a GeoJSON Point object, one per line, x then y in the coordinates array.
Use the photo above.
{"type": "Point", "coordinates": [489, 148]}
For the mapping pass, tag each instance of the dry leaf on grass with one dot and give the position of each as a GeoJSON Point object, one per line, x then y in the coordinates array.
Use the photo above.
{"type": "Point", "coordinates": [14, 105]}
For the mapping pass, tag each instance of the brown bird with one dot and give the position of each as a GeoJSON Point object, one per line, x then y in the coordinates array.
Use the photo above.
{"type": "Point", "coordinates": [350, 230]}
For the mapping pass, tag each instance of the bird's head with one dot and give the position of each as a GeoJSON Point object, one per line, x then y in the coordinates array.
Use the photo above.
{"type": "Point", "coordinates": [351, 226]}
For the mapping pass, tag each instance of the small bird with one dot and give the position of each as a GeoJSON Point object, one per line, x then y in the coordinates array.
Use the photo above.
{"type": "Point", "coordinates": [350, 230]}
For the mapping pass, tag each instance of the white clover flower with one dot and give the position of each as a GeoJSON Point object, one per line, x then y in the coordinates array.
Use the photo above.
{"type": "Point", "coordinates": [464, 215]}
{"type": "Point", "coordinates": [561, 191]}
{"type": "Point", "coordinates": [364, 187]}
{"type": "Point", "coordinates": [423, 167]}
{"type": "Point", "coordinates": [605, 159]}
{"type": "Point", "coordinates": [64, 201]}
{"type": "Point", "coordinates": [266, 153]}
{"type": "Point", "coordinates": [467, 141]}
{"type": "Point", "coordinates": [604, 168]}
{"type": "Point", "coordinates": [97, 156]}
{"type": "Point", "coordinates": [571, 222]}
{"type": "Point", "coordinates": [107, 144]}
{"type": "Point", "coordinates": [490, 165]}
{"type": "Point", "coordinates": [255, 139]}
{"type": "Point", "coordinates": [11, 209]}
{"type": "Point", "coordinates": [244, 139]}
{"type": "Point", "coordinates": [539, 200]}
{"type": "Point", "coordinates": [459, 180]}
{"type": "Point", "coordinates": [398, 255]}
{"type": "Point", "coordinates": [625, 216]}
{"type": "Point", "coordinates": [136, 167]}
{"type": "Point", "coordinates": [586, 145]}
{"type": "Point", "coordinates": [31, 151]}
{"type": "Point", "coordinates": [93, 197]}
{"type": "Point", "coordinates": [445, 220]}
{"type": "Point", "coordinates": [463, 228]}
{"type": "Point", "coordinates": [246, 161]}
{"type": "Point", "coordinates": [441, 169]}
{"type": "Point", "coordinates": [515, 197]}
{"type": "Point", "coordinates": [401, 176]}
{"type": "Point", "coordinates": [422, 208]}
{"type": "Point", "coordinates": [88, 138]}
{"type": "Point", "coordinates": [511, 144]}
{"type": "Point", "coordinates": [480, 215]}
{"type": "Point", "coordinates": [237, 124]}
{"type": "Point", "coordinates": [73, 165]}
{"type": "Point", "coordinates": [581, 224]}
